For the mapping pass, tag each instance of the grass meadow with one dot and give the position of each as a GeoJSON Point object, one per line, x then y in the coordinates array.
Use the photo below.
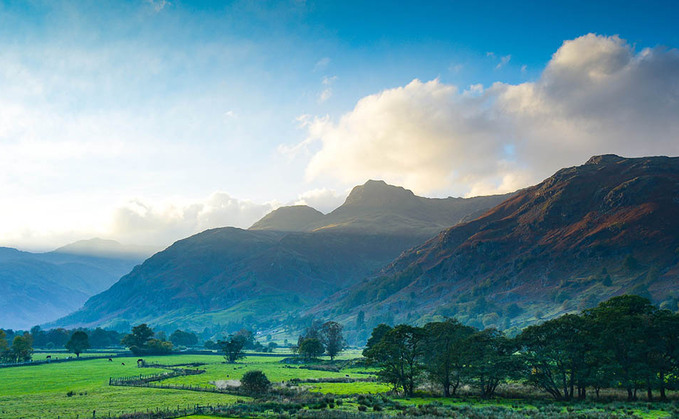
{"type": "Point", "coordinates": [42, 391]}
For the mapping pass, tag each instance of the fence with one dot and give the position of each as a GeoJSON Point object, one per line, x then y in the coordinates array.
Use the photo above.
{"type": "Point", "coordinates": [139, 380]}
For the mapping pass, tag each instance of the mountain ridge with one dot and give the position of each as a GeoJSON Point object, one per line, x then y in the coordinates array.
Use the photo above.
{"type": "Point", "coordinates": [295, 255]}
{"type": "Point", "coordinates": [606, 227]}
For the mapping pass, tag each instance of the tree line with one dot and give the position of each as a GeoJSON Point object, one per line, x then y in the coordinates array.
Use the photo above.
{"type": "Point", "coordinates": [624, 342]}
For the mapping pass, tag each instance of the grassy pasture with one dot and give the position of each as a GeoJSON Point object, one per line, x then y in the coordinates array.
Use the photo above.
{"type": "Point", "coordinates": [41, 391]}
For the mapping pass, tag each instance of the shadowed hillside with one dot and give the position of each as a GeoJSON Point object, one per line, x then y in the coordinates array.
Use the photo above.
{"type": "Point", "coordinates": [288, 261]}
{"type": "Point", "coordinates": [587, 233]}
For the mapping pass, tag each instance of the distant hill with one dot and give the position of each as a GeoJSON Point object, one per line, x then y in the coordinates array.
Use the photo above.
{"type": "Point", "coordinates": [290, 260]}
{"type": "Point", "coordinates": [39, 287]}
{"type": "Point", "coordinates": [587, 233]}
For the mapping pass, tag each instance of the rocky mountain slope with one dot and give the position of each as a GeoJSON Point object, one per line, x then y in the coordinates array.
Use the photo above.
{"type": "Point", "coordinates": [608, 227]}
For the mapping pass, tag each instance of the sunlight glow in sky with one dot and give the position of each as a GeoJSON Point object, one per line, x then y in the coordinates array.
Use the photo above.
{"type": "Point", "coordinates": [146, 121]}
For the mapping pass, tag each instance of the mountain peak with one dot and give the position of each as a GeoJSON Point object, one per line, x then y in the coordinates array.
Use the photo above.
{"type": "Point", "coordinates": [377, 193]}
{"type": "Point", "coordinates": [290, 218]}
{"type": "Point", "coordinates": [605, 159]}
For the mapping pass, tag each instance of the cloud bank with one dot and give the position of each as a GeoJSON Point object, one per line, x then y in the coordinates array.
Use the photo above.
{"type": "Point", "coordinates": [142, 222]}
{"type": "Point", "coordinates": [596, 95]}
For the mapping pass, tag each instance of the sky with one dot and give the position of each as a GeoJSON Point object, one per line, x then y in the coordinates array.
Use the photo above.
{"type": "Point", "coordinates": [147, 121]}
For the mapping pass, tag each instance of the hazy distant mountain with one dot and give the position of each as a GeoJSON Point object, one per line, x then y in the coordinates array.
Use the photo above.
{"type": "Point", "coordinates": [104, 248]}
{"type": "Point", "coordinates": [289, 260]}
{"type": "Point", "coordinates": [40, 287]}
{"type": "Point", "coordinates": [587, 233]}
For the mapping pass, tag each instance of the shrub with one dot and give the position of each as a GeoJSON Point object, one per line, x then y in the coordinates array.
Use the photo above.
{"type": "Point", "coordinates": [255, 382]}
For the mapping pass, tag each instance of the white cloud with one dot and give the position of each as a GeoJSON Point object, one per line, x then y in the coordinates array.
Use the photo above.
{"type": "Point", "coordinates": [597, 95]}
{"type": "Point", "coordinates": [327, 92]}
{"type": "Point", "coordinates": [503, 61]}
{"type": "Point", "coordinates": [142, 222]}
{"type": "Point", "coordinates": [322, 199]}
{"type": "Point", "coordinates": [322, 64]}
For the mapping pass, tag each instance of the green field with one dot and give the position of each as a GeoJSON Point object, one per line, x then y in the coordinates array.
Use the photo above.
{"type": "Point", "coordinates": [41, 391]}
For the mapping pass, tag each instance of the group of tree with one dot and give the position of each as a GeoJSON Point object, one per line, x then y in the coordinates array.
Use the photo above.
{"type": "Point", "coordinates": [58, 337]}
{"type": "Point", "coordinates": [624, 342]}
{"type": "Point", "coordinates": [142, 341]}
{"type": "Point", "coordinates": [319, 339]}
{"type": "Point", "coordinates": [21, 349]}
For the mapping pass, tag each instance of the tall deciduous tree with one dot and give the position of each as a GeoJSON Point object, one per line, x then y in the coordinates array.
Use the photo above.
{"type": "Point", "coordinates": [443, 359]}
{"type": "Point", "coordinates": [78, 343]}
{"type": "Point", "coordinates": [555, 353]}
{"type": "Point", "coordinates": [489, 360]}
{"type": "Point", "coordinates": [311, 348]}
{"type": "Point", "coordinates": [22, 348]}
{"type": "Point", "coordinates": [399, 354]}
{"type": "Point", "coordinates": [332, 339]}
{"type": "Point", "coordinates": [233, 347]}
{"type": "Point", "coordinates": [621, 325]}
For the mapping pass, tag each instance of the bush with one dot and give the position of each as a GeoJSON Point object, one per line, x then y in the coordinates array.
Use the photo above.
{"type": "Point", "coordinates": [255, 382]}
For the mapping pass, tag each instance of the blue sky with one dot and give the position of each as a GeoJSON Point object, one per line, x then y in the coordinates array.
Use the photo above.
{"type": "Point", "coordinates": [146, 121]}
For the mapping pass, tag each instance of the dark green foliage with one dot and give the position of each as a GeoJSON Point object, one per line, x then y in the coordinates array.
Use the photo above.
{"type": "Point", "coordinates": [332, 339]}
{"type": "Point", "coordinates": [311, 348]}
{"type": "Point", "coordinates": [489, 360]}
{"type": "Point", "coordinates": [183, 338]}
{"type": "Point", "coordinates": [624, 342]}
{"type": "Point", "coordinates": [443, 359]}
{"type": "Point", "coordinates": [22, 348]}
{"type": "Point", "coordinates": [555, 354]}
{"type": "Point", "coordinates": [78, 343]}
{"type": "Point", "coordinates": [399, 355]}
{"type": "Point", "coordinates": [255, 382]}
{"type": "Point", "coordinates": [141, 342]}
{"type": "Point", "coordinates": [233, 347]}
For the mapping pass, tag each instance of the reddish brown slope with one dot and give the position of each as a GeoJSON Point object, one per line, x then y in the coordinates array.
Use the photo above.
{"type": "Point", "coordinates": [607, 227]}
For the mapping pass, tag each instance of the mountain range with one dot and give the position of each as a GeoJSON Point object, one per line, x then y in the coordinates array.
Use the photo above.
{"type": "Point", "coordinates": [285, 263]}
{"type": "Point", "coordinates": [608, 227]}
{"type": "Point", "coordinates": [605, 228]}
{"type": "Point", "coordinates": [40, 287]}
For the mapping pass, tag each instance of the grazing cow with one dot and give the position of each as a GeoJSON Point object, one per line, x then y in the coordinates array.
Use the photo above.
{"type": "Point", "coordinates": [49, 356]}
{"type": "Point", "coordinates": [122, 363]}
{"type": "Point", "coordinates": [346, 375]}
{"type": "Point", "coordinates": [110, 360]}
{"type": "Point", "coordinates": [140, 363]}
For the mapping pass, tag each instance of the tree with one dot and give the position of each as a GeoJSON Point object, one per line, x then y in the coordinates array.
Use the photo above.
{"type": "Point", "coordinates": [141, 342]}
{"type": "Point", "coordinates": [332, 339]}
{"type": "Point", "coordinates": [233, 347]}
{"type": "Point", "coordinates": [78, 343]}
{"type": "Point", "coordinates": [489, 360]}
{"type": "Point", "coordinates": [398, 355]}
{"type": "Point", "coordinates": [4, 347]}
{"type": "Point", "coordinates": [443, 360]}
{"type": "Point", "coordinates": [377, 334]}
{"type": "Point", "coordinates": [555, 351]}
{"type": "Point", "coordinates": [311, 348]}
{"type": "Point", "coordinates": [664, 356]}
{"type": "Point", "coordinates": [139, 336]}
{"type": "Point", "coordinates": [182, 338]}
{"type": "Point", "coordinates": [157, 347]}
{"type": "Point", "coordinates": [255, 382]}
{"type": "Point", "coordinates": [22, 348]}
{"type": "Point", "coordinates": [621, 325]}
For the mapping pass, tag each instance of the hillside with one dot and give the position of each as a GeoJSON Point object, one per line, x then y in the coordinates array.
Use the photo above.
{"type": "Point", "coordinates": [40, 287]}
{"type": "Point", "coordinates": [288, 261]}
{"type": "Point", "coordinates": [587, 233]}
